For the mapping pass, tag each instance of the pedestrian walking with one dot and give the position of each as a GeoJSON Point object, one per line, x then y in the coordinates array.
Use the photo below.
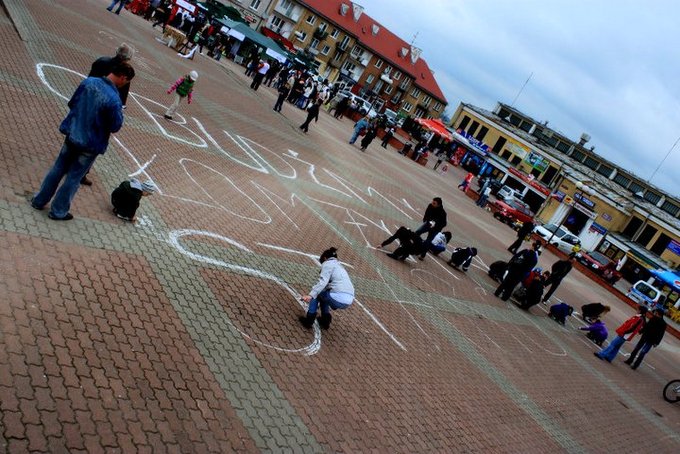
{"type": "Point", "coordinates": [312, 114]}
{"type": "Point", "coordinates": [284, 91]}
{"type": "Point", "coordinates": [333, 291]}
{"type": "Point", "coordinates": [371, 132]}
{"type": "Point", "coordinates": [260, 72]}
{"type": "Point", "coordinates": [183, 88]}
{"type": "Point", "coordinates": [522, 234]}
{"type": "Point", "coordinates": [465, 184]}
{"type": "Point", "coordinates": [360, 128]}
{"type": "Point", "coordinates": [341, 107]}
{"type": "Point", "coordinates": [389, 133]}
{"type": "Point", "coordinates": [121, 5]}
{"type": "Point", "coordinates": [629, 328]}
{"type": "Point", "coordinates": [126, 197]}
{"type": "Point", "coordinates": [484, 197]}
{"type": "Point", "coordinates": [651, 336]}
{"type": "Point", "coordinates": [518, 267]}
{"type": "Point", "coordinates": [559, 271]}
{"type": "Point", "coordinates": [434, 221]}
{"type": "Point", "coordinates": [95, 111]}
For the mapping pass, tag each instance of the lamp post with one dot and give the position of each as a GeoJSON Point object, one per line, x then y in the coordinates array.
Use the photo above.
{"type": "Point", "coordinates": [582, 187]}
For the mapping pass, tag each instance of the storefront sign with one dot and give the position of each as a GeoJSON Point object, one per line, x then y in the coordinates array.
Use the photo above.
{"type": "Point", "coordinates": [595, 227]}
{"type": "Point", "coordinates": [584, 200]}
{"type": "Point", "coordinates": [606, 217]}
{"type": "Point", "coordinates": [558, 195]}
{"type": "Point", "coordinates": [674, 247]}
{"type": "Point", "coordinates": [474, 143]}
{"type": "Point", "coordinates": [537, 161]}
{"type": "Point", "coordinates": [517, 149]}
{"type": "Point", "coordinates": [185, 5]}
{"type": "Point", "coordinates": [530, 181]}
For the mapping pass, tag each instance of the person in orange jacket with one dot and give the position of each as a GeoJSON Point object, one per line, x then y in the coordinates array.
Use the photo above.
{"type": "Point", "coordinates": [629, 328]}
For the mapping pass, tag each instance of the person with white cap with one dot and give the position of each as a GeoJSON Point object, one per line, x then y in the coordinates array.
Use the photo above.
{"type": "Point", "coordinates": [126, 197]}
{"type": "Point", "coordinates": [183, 88]}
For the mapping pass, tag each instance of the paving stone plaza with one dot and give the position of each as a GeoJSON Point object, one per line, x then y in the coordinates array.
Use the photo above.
{"type": "Point", "coordinates": [180, 333]}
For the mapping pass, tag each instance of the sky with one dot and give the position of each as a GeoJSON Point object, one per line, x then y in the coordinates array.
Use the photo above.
{"type": "Point", "coordinates": [609, 68]}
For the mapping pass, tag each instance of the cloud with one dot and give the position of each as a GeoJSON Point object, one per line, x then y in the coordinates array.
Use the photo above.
{"type": "Point", "coordinates": [609, 69]}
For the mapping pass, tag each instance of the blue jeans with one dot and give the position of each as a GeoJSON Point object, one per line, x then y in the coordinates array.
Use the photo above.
{"type": "Point", "coordinates": [482, 201]}
{"type": "Point", "coordinates": [612, 349]}
{"type": "Point", "coordinates": [327, 303]}
{"type": "Point", "coordinates": [436, 250]}
{"type": "Point", "coordinates": [71, 163]}
{"type": "Point", "coordinates": [121, 4]}
{"type": "Point", "coordinates": [355, 135]}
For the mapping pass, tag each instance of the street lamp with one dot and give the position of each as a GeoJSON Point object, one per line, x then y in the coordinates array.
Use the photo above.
{"type": "Point", "coordinates": [582, 187]}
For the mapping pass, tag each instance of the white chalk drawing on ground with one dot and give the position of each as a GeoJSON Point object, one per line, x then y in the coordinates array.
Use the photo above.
{"type": "Point", "coordinates": [175, 237]}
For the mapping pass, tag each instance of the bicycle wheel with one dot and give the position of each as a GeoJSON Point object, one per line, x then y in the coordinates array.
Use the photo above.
{"type": "Point", "coordinates": [671, 392]}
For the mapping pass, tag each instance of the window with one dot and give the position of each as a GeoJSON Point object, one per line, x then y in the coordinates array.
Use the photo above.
{"type": "Point", "coordinates": [622, 180]}
{"type": "Point", "coordinates": [633, 226]}
{"type": "Point", "coordinates": [591, 163]}
{"type": "Point", "coordinates": [437, 106]}
{"type": "Point", "coordinates": [635, 188]}
{"type": "Point", "coordinates": [285, 4]}
{"type": "Point", "coordinates": [605, 170]}
{"type": "Point", "coordinates": [255, 4]}
{"type": "Point", "coordinates": [388, 89]}
{"type": "Point", "coordinates": [323, 27]}
{"type": "Point", "coordinates": [387, 70]}
{"type": "Point", "coordinates": [344, 42]}
{"type": "Point", "coordinates": [473, 127]}
{"type": "Point", "coordinates": [563, 147]}
{"type": "Point", "coordinates": [427, 100]}
{"type": "Point", "coordinates": [660, 244]}
{"type": "Point", "coordinates": [525, 126]}
{"type": "Point", "coordinates": [311, 19]}
{"type": "Point", "coordinates": [670, 208]}
{"type": "Point", "coordinates": [506, 154]}
{"type": "Point", "coordinates": [482, 133]}
{"type": "Point", "coordinates": [337, 57]}
{"type": "Point", "coordinates": [416, 92]}
{"type": "Point", "coordinates": [379, 63]}
{"type": "Point", "coordinates": [335, 33]}
{"type": "Point", "coordinates": [407, 106]}
{"type": "Point", "coordinates": [651, 197]}
{"type": "Point", "coordinates": [396, 97]}
{"type": "Point", "coordinates": [314, 43]}
{"type": "Point", "coordinates": [515, 160]}
{"type": "Point", "coordinates": [577, 156]}
{"type": "Point", "coordinates": [356, 52]}
{"type": "Point", "coordinates": [276, 24]}
{"type": "Point", "coordinates": [646, 235]}
{"type": "Point", "coordinates": [396, 75]}
{"type": "Point", "coordinates": [301, 37]}
{"type": "Point", "coordinates": [463, 124]}
{"type": "Point", "coordinates": [370, 79]}
{"type": "Point", "coordinates": [325, 50]}
{"type": "Point", "coordinates": [349, 66]}
{"type": "Point", "coordinates": [549, 175]}
{"type": "Point", "coordinates": [500, 143]}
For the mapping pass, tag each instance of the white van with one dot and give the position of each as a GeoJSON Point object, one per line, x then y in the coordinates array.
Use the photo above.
{"type": "Point", "coordinates": [644, 293]}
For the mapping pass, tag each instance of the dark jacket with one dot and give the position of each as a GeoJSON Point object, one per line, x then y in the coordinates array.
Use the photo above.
{"type": "Point", "coordinates": [526, 229]}
{"type": "Point", "coordinates": [103, 66]}
{"type": "Point", "coordinates": [653, 331]}
{"type": "Point", "coordinates": [125, 199]}
{"type": "Point", "coordinates": [523, 262]}
{"type": "Point", "coordinates": [313, 113]}
{"type": "Point", "coordinates": [559, 270]}
{"type": "Point", "coordinates": [438, 215]}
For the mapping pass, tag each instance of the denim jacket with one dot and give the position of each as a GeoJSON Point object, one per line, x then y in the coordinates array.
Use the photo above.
{"type": "Point", "coordinates": [95, 112]}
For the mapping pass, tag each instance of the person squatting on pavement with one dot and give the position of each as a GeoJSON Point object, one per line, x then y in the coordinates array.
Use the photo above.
{"type": "Point", "coordinates": [518, 267]}
{"type": "Point", "coordinates": [559, 271]}
{"type": "Point", "coordinates": [434, 221]}
{"type": "Point", "coordinates": [312, 114]}
{"type": "Point", "coordinates": [102, 67]}
{"type": "Point", "coordinates": [560, 312]}
{"type": "Point", "coordinates": [593, 311]}
{"type": "Point", "coordinates": [183, 88]}
{"type": "Point", "coordinates": [95, 111]}
{"type": "Point", "coordinates": [522, 234]}
{"type": "Point", "coordinates": [651, 335]}
{"type": "Point", "coordinates": [462, 257]}
{"type": "Point", "coordinates": [334, 290]}
{"type": "Point", "coordinates": [630, 327]}
{"type": "Point", "coordinates": [597, 331]}
{"type": "Point", "coordinates": [439, 242]}
{"type": "Point", "coordinates": [126, 197]}
{"type": "Point", "coordinates": [409, 244]}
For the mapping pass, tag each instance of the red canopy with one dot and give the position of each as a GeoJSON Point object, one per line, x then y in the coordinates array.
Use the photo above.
{"type": "Point", "coordinates": [436, 126]}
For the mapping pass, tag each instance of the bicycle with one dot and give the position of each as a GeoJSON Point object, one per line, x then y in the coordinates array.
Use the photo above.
{"type": "Point", "coordinates": [671, 392]}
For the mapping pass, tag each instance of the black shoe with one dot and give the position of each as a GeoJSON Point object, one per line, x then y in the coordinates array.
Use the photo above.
{"type": "Point", "coordinates": [167, 117]}
{"type": "Point", "coordinates": [36, 207]}
{"type": "Point", "coordinates": [629, 362]}
{"type": "Point", "coordinates": [86, 181]}
{"type": "Point", "coordinates": [68, 217]}
{"type": "Point", "coordinates": [392, 256]}
{"type": "Point", "coordinates": [325, 321]}
{"type": "Point", "coordinates": [307, 320]}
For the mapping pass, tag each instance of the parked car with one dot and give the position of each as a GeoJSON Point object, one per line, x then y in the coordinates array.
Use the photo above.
{"type": "Point", "coordinates": [601, 264]}
{"type": "Point", "coordinates": [364, 107]}
{"type": "Point", "coordinates": [644, 293]}
{"type": "Point", "coordinates": [510, 211]}
{"type": "Point", "coordinates": [506, 193]}
{"type": "Point", "coordinates": [393, 120]}
{"type": "Point", "coordinates": [561, 238]}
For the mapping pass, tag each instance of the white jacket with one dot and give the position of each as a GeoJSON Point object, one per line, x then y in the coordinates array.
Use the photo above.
{"type": "Point", "coordinates": [334, 278]}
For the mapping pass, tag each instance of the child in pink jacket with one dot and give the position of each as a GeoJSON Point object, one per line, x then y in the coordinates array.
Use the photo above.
{"type": "Point", "coordinates": [183, 88]}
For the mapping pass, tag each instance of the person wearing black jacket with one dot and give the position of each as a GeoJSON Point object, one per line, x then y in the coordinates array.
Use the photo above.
{"type": "Point", "coordinates": [518, 267]}
{"type": "Point", "coordinates": [522, 233]}
{"type": "Point", "coordinates": [409, 244]}
{"type": "Point", "coordinates": [560, 269]}
{"type": "Point", "coordinates": [312, 114]}
{"type": "Point", "coordinates": [284, 91]}
{"type": "Point", "coordinates": [652, 333]}
{"type": "Point", "coordinates": [433, 223]}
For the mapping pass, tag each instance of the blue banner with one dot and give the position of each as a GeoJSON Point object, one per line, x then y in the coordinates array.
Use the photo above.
{"type": "Point", "coordinates": [674, 247]}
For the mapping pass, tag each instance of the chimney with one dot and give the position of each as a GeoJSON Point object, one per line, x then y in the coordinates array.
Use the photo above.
{"type": "Point", "coordinates": [375, 29]}
{"type": "Point", "coordinates": [343, 9]}
{"type": "Point", "coordinates": [584, 139]}
{"type": "Point", "coordinates": [415, 54]}
{"type": "Point", "coordinates": [357, 10]}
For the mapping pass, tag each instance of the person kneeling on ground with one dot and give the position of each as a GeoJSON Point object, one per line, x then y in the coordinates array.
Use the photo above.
{"type": "Point", "coordinates": [497, 270]}
{"type": "Point", "coordinates": [593, 311]}
{"type": "Point", "coordinates": [410, 243]}
{"type": "Point", "coordinates": [462, 257]}
{"type": "Point", "coordinates": [334, 290]}
{"type": "Point", "coordinates": [125, 198]}
{"type": "Point", "coordinates": [560, 312]}
{"type": "Point", "coordinates": [534, 285]}
{"type": "Point", "coordinates": [439, 242]}
{"type": "Point", "coordinates": [597, 331]}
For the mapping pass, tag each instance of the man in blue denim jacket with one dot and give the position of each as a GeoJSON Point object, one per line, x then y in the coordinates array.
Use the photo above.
{"type": "Point", "coordinates": [95, 112]}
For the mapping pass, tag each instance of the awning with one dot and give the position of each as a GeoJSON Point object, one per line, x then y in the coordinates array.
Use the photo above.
{"type": "Point", "coordinates": [241, 31]}
{"type": "Point", "coordinates": [436, 126]}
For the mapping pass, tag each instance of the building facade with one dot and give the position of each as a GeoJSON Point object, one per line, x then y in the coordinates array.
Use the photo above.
{"type": "Point", "coordinates": [255, 12]}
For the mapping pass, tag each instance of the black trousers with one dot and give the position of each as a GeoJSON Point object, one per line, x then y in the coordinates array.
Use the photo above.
{"type": "Point", "coordinates": [279, 102]}
{"type": "Point", "coordinates": [257, 80]}
{"type": "Point", "coordinates": [553, 286]}
{"type": "Point", "coordinates": [516, 245]}
{"type": "Point", "coordinates": [509, 283]}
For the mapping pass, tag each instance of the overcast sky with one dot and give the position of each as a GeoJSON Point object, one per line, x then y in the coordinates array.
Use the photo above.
{"type": "Point", "coordinates": [606, 67]}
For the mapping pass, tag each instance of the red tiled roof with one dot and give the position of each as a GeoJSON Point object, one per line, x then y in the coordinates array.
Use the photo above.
{"type": "Point", "coordinates": [385, 43]}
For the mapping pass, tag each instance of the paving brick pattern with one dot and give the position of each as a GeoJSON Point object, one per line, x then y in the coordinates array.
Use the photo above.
{"type": "Point", "coordinates": [179, 333]}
